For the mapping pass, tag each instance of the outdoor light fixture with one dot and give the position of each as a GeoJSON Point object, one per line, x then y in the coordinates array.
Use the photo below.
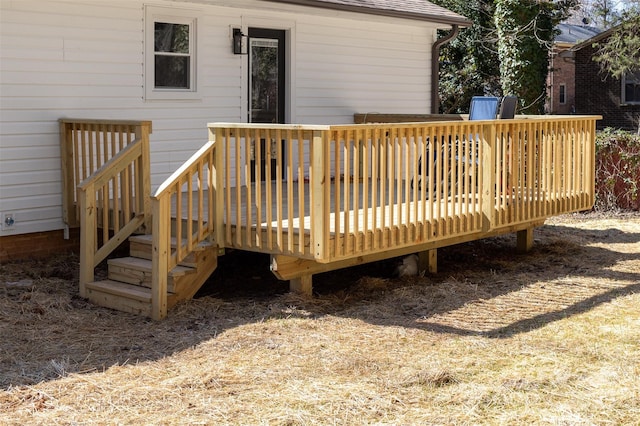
{"type": "Point", "coordinates": [237, 41]}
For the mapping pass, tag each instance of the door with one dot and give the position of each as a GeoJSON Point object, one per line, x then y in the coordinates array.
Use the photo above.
{"type": "Point", "coordinates": [266, 91]}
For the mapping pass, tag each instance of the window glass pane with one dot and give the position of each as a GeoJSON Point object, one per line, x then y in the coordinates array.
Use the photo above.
{"type": "Point", "coordinates": [562, 93]}
{"type": "Point", "coordinates": [632, 87]}
{"type": "Point", "coordinates": [172, 71]}
{"type": "Point", "coordinates": [628, 92]}
{"type": "Point", "coordinates": [172, 38]}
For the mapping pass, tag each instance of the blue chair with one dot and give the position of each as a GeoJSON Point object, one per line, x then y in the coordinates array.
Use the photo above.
{"type": "Point", "coordinates": [484, 108]}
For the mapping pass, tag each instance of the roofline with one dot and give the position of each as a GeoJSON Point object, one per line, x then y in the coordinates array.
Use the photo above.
{"type": "Point", "coordinates": [595, 38]}
{"type": "Point", "coordinates": [461, 22]}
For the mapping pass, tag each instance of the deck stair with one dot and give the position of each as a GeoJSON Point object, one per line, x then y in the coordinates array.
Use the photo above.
{"type": "Point", "coordinates": [128, 285]}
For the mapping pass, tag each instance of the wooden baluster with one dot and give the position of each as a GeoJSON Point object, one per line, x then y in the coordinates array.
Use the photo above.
{"type": "Point", "coordinates": [301, 139]}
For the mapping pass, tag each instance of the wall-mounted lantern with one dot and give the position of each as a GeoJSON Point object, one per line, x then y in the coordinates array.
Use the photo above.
{"type": "Point", "coordinates": [238, 42]}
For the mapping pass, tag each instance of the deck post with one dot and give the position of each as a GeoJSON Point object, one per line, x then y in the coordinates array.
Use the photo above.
{"type": "Point", "coordinates": [525, 240]}
{"type": "Point", "coordinates": [318, 185]}
{"type": "Point", "coordinates": [488, 170]}
{"type": "Point", "coordinates": [144, 180]}
{"type": "Point", "coordinates": [160, 256]}
{"type": "Point", "coordinates": [88, 233]}
{"type": "Point", "coordinates": [302, 285]}
{"type": "Point", "coordinates": [428, 261]}
{"type": "Point", "coordinates": [69, 213]}
{"type": "Point", "coordinates": [217, 192]}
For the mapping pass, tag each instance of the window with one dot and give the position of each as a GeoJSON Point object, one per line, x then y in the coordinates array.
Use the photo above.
{"type": "Point", "coordinates": [563, 94]}
{"type": "Point", "coordinates": [631, 88]}
{"type": "Point", "coordinates": [170, 54]}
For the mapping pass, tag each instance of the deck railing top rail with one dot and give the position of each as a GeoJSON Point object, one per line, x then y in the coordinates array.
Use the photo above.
{"type": "Point", "coordinates": [435, 120]}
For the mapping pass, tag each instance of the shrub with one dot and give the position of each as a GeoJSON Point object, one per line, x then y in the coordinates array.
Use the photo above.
{"type": "Point", "coordinates": [617, 170]}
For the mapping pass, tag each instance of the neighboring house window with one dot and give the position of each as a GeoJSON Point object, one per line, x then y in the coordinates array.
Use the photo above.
{"type": "Point", "coordinates": [170, 54]}
{"type": "Point", "coordinates": [631, 88]}
{"type": "Point", "coordinates": [563, 94]}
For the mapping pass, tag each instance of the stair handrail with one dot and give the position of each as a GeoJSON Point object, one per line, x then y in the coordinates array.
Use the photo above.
{"type": "Point", "coordinates": [114, 198]}
{"type": "Point", "coordinates": [196, 175]}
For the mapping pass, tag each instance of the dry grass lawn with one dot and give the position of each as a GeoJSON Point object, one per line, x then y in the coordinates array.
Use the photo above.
{"type": "Point", "coordinates": [551, 337]}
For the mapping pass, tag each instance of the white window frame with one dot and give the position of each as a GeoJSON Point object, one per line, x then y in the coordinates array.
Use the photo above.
{"type": "Point", "coordinates": [155, 14]}
{"type": "Point", "coordinates": [623, 98]}
{"type": "Point", "coordinates": [562, 93]}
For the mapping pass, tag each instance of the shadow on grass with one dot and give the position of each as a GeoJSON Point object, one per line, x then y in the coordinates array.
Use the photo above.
{"type": "Point", "coordinates": [528, 324]}
{"type": "Point", "coordinates": [485, 289]}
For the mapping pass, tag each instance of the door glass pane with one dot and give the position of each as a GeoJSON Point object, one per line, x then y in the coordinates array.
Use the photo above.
{"type": "Point", "coordinates": [264, 80]}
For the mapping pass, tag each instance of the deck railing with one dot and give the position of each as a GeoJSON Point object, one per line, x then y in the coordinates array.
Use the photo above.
{"type": "Point", "coordinates": [334, 192]}
{"type": "Point", "coordinates": [271, 192]}
{"type": "Point", "coordinates": [544, 166]}
{"type": "Point", "coordinates": [183, 213]}
{"type": "Point", "coordinates": [109, 161]}
{"type": "Point", "coordinates": [85, 146]}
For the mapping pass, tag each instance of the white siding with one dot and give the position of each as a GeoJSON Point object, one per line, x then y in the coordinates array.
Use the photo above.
{"type": "Point", "coordinates": [345, 67]}
{"type": "Point", "coordinates": [85, 59]}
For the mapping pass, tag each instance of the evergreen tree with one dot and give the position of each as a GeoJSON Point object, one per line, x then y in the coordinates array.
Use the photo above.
{"type": "Point", "coordinates": [620, 53]}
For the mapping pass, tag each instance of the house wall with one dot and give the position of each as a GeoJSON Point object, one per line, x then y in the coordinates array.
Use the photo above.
{"type": "Point", "coordinates": [85, 59]}
{"type": "Point", "coordinates": [601, 95]}
{"type": "Point", "coordinates": [562, 73]}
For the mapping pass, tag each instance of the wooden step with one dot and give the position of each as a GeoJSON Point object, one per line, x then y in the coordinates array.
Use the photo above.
{"type": "Point", "coordinates": [136, 271]}
{"type": "Point", "coordinates": [128, 287]}
{"type": "Point", "coordinates": [122, 296]}
{"type": "Point", "coordinates": [141, 246]}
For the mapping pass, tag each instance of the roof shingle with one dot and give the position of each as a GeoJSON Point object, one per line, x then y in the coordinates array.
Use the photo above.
{"type": "Point", "coordinates": [574, 34]}
{"type": "Point", "coordinates": [410, 9]}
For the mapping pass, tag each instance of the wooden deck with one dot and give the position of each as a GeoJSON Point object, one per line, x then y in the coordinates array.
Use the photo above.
{"type": "Point", "coordinates": [345, 194]}
{"type": "Point", "coordinates": [347, 191]}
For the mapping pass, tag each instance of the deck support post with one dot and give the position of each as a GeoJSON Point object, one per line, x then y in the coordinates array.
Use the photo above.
{"type": "Point", "coordinates": [525, 240]}
{"type": "Point", "coordinates": [428, 261]}
{"type": "Point", "coordinates": [302, 285]}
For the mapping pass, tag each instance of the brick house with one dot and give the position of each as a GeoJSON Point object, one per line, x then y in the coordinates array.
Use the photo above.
{"type": "Point", "coordinates": [617, 100]}
{"type": "Point", "coordinates": [561, 78]}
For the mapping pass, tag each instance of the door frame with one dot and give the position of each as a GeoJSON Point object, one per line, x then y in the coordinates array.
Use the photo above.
{"type": "Point", "coordinates": [290, 75]}
{"type": "Point", "coordinates": [281, 36]}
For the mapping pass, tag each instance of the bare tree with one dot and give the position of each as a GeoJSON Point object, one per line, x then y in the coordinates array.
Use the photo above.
{"type": "Point", "coordinates": [601, 13]}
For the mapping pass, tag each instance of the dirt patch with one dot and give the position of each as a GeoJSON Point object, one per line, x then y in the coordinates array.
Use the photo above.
{"type": "Point", "coordinates": [550, 336]}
